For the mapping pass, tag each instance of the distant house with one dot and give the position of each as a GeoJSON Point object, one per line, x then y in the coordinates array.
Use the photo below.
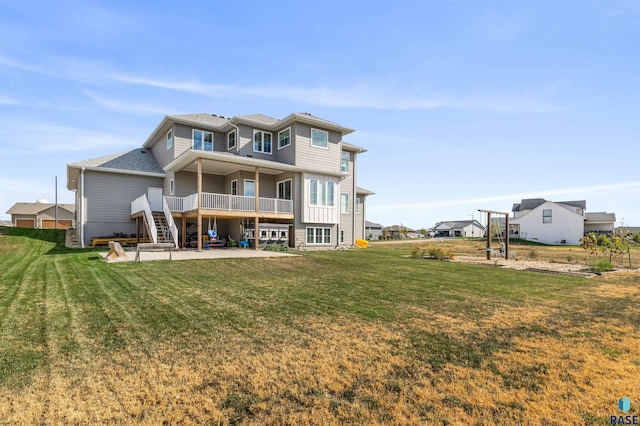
{"type": "Point", "coordinates": [5, 223]}
{"type": "Point", "coordinates": [372, 230]}
{"type": "Point", "coordinates": [459, 228]}
{"type": "Point", "coordinates": [599, 223]}
{"type": "Point", "coordinates": [397, 231]}
{"type": "Point", "coordinates": [42, 215]}
{"type": "Point", "coordinates": [562, 222]}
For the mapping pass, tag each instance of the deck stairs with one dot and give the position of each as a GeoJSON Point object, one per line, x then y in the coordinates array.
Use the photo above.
{"type": "Point", "coordinates": [164, 234]}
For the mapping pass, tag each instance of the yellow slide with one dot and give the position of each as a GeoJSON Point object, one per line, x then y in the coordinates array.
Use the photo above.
{"type": "Point", "coordinates": [362, 243]}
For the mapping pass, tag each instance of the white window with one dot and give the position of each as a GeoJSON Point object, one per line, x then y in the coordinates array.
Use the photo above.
{"type": "Point", "coordinates": [231, 140]}
{"type": "Point", "coordinates": [234, 187]}
{"type": "Point", "coordinates": [169, 138]}
{"type": "Point", "coordinates": [319, 138]}
{"type": "Point", "coordinates": [249, 188]}
{"type": "Point", "coordinates": [345, 162]}
{"type": "Point", "coordinates": [202, 141]}
{"type": "Point", "coordinates": [284, 189]}
{"type": "Point", "coordinates": [358, 202]}
{"type": "Point", "coordinates": [318, 235]}
{"type": "Point", "coordinates": [284, 138]}
{"type": "Point", "coordinates": [172, 187]}
{"type": "Point", "coordinates": [321, 193]}
{"type": "Point", "coordinates": [546, 216]}
{"type": "Point", "coordinates": [344, 202]}
{"type": "Point", "coordinates": [261, 141]}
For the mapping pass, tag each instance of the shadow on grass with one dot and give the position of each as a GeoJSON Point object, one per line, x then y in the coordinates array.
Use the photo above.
{"type": "Point", "coordinates": [52, 236]}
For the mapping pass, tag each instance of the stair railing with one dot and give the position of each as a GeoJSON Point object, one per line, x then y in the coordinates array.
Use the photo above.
{"type": "Point", "coordinates": [141, 204]}
{"type": "Point", "coordinates": [172, 225]}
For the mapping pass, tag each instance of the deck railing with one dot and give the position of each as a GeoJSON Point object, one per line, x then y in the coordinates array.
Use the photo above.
{"type": "Point", "coordinates": [141, 204]}
{"type": "Point", "coordinates": [228, 202]}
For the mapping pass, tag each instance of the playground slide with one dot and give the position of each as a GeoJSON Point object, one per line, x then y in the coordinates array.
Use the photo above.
{"type": "Point", "coordinates": [362, 243]}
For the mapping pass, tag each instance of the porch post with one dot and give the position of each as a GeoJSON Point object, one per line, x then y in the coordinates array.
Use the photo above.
{"type": "Point", "coordinates": [184, 231]}
{"type": "Point", "coordinates": [199, 203]}
{"type": "Point", "coordinates": [257, 226]}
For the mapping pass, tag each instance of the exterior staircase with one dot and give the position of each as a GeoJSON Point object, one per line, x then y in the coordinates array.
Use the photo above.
{"type": "Point", "coordinates": [164, 234]}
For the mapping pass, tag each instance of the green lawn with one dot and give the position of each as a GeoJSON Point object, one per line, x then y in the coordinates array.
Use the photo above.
{"type": "Point", "coordinates": [352, 336]}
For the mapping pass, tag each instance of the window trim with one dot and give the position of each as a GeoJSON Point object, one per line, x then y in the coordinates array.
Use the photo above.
{"type": "Point", "coordinates": [318, 146]}
{"type": "Point", "coordinates": [544, 216]}
{"type": "Point", "coordinates": [326, 231]}
{"type": "Point", "coordinates": [172, 186]}
{"type": "Point", "coordinates": [244, 186]}
{"type": "Point", "coordinates": [193, 140]}
{"type": "Point", "coordinates": [235, 139]}
{"type": "Point", "coordinates": [170, 138]}
{"type": "Point", "coordinates": [253, 142]}
{"type": "Point", "coordinates": [288, 143]}
{"type": "Point", "coordinates": [290, 189]}
{"type": "Point", "coordinates": [342, 204]}
{"type": "Point", "coordinates": [358, 206]}
{"type": "Point", "coordinates": [342, 168]}
{"type": "Point", "coordinates": [322, 197]}
{"type": "Point", "coordinates": [231, 187]}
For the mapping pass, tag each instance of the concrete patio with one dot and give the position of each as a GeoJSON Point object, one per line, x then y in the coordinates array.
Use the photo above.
{"type": "Point", "coordinates": [226, 253]}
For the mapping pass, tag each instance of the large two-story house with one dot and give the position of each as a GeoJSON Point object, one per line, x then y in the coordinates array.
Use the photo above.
{"type": "Point", "coordinates": [249, 178]}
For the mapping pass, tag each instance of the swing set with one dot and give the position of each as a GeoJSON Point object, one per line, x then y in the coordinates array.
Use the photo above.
{"type": "Point", "coordinates": [504, 243]}
{"type": "Point", "coordinates": [213, 241]}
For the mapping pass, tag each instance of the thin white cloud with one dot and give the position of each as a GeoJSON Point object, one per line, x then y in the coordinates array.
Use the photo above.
{"type": "Point", "coordinates": [128, 107]}
{"type": "Point", "coordinates": [506, 197]}
{"type": "Point", "coordinates": [357, 96]}
{"type": "Point", "coordinates": [43, 137]}
{"type": "Point", "coordinates": [373, 95]}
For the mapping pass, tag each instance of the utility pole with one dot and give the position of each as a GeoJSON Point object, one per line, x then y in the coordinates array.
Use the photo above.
{"type": "Point", "coordinates": [56, 209]}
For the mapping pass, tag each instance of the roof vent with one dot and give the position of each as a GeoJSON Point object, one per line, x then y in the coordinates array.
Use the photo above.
{"type": "Point", "coordinates": [214, 115]}
{"type": "Point", "coordinates": [143, 151]}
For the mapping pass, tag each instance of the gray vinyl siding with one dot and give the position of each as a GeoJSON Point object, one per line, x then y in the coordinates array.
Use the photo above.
{"type": "Point", "coordinates": [315, 158]}
{"type": "Point", "coordinates": [108, 202]}
{"type": "Point", "coordinates": [287, 154]}
{"type": "Point", "coordinates": [182, 139]}
{"type": "Point", "coordinates": [359, 220]}
{"type": "Point", "coordinates": [166, 190]}
{"type": "Point", "coordinates": [187, 183]}
{"type": "Point", "coordinates": [159, 148]}
{"type": "Point", "coordinates": [246, 145]}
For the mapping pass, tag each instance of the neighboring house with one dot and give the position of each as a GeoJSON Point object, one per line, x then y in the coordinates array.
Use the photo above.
{"type": "Point", "coordinates": [627, 230]}
{"type": "Point", "coordinates": [397, 231]}
{"type": "Point", "coordinates": [5, 223]}
{"type": "Point", "coordinates": [599, 223]}
{"type": "Point", "coordinates": [459, 228]}
{"type": "Point", "coordinates": [42, 214]}
{"type": "Point", "coordinates": [372, 230]}
{"type": "Point", "coordinates": [563, 222]}
{"type": "Point", "coordinates": [288, 181]}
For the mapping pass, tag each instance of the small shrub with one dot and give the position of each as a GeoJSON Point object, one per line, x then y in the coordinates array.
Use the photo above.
{"type": "Point", "coordinates": [533, 254]}
{"type": "Point", "coordinates": [441, 254]}
{"type": "Point", "coordinates": [636, 237]}
{"type": "Point", "coordinates": [417, 252]}
{"type": "Point", "coordinates": [601, 266]}
{"type": "Point", "coordinates": [276, 247]}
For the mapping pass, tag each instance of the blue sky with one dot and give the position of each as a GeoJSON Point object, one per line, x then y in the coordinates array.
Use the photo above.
{"type": "Point", "coordinates": [462, 105]}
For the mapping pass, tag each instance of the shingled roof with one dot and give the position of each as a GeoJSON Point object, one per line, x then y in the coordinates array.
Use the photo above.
{"type": "Point", "coordinates": [33, 208]}
{"type": "Point", "coordinates": [137, 160]}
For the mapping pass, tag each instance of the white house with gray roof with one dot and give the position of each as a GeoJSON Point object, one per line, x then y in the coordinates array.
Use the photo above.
{"type": "Point", "coordinates": [562, 222]}
{"type": "Point", "coordinates": [249, 177]}
{"type": "Point", "coordinates": [459, 228]}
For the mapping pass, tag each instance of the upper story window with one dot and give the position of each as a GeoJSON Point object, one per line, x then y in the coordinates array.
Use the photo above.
{"type": "Point", "coordinates": [169, 138]}
{"type": "Point", "coordinates": [344, 202]}
{"type": "Point", "coordinates": [319, 138]}
{"type": "Point", "coordinates": [345, 162]}
{"type": "Point", "coordinates": [234, 187]}
{"type": "Point", "coordinates": [284, 138]}
{"type": "Point", "coordinates": [172, 186]}
{"type": "Point", "coordinates": [321, 193]}
{"type": "Point", "coordinates": [231, 140]}
{"type": "Point", "coordinates": [202, 141]}
{"type": "Point", "coordinates": [546, 216]}
{"type": "Point", "coordinates": [261, 141]}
